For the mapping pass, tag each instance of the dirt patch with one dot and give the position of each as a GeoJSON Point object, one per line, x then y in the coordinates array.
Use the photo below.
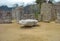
{"type": "Point", "coordinates": [43, 32]}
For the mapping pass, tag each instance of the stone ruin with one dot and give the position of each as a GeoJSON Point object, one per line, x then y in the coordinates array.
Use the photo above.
{"type": "Point", "coordinates": [5, 17]}
{"type": "Point", "coordinates": [28, 16]}
{"type": "Point", "coordinates": [57, 11]}
{"type": "Point", "coordinates": [46, 14]}
{"type": "Point", "coordinates": [50, 13]}
{"type": "Point", "coordinates": [19, 14]}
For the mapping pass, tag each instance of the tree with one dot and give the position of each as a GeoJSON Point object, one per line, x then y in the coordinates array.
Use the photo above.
{"type": "Point", "coordinates": [40, 2]}
{"type": "Point", "coordinates": [51, 1]}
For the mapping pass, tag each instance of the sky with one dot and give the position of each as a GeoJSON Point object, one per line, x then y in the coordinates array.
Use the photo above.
{"type": "Point", "coordinates": [57, 0]}
{"type": "Point", "coordinates": [10, 3]}
{"type": "Point", "coordinates": [19, 2]}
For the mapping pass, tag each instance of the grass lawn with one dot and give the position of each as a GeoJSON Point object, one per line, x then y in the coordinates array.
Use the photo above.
{"type": "Point", "coordinates": [43, 32]}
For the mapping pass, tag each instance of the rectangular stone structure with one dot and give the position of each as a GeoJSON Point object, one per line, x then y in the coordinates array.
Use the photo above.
{"type": "Point", "coordinates": [5, 17]}
{"type": "Point", "coordinates": [46, 13]}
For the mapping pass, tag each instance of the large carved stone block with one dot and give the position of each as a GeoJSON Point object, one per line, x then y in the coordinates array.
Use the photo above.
{"type": "Point", "coordinates": [28, 22]}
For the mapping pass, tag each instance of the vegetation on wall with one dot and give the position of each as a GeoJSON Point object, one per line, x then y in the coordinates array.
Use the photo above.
{"type": "Point", "coordinates": [40, 3]}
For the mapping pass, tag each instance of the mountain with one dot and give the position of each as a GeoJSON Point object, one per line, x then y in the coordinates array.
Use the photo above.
{"type": "Point", "coordinates": [5, 8]}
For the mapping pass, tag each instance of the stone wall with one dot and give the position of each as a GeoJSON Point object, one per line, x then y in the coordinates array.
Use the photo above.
{"type": "Point", "coordinates": [5, 17]}
{"type": "Point", "coordinates": [57, 7]}
{"type": "Point", "coordinates": [46, 14]}
{"type": "Point", "coordinates": [49, 13]}
{"type": "Point", "coordinates": [28, 16]}
{"type": "Point", "coordinates": [18, 14]}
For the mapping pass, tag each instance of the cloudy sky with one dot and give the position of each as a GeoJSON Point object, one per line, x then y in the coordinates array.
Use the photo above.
{"type": "Point", "coordinates": [11, 2]}
{"type": "Point", "coordinates": [57, 0]}
{"type": "Point", "coordinates": [20, 2]}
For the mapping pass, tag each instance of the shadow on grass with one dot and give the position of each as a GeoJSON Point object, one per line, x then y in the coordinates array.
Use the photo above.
{"type": "Point", "coordinates": [29, 27]}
